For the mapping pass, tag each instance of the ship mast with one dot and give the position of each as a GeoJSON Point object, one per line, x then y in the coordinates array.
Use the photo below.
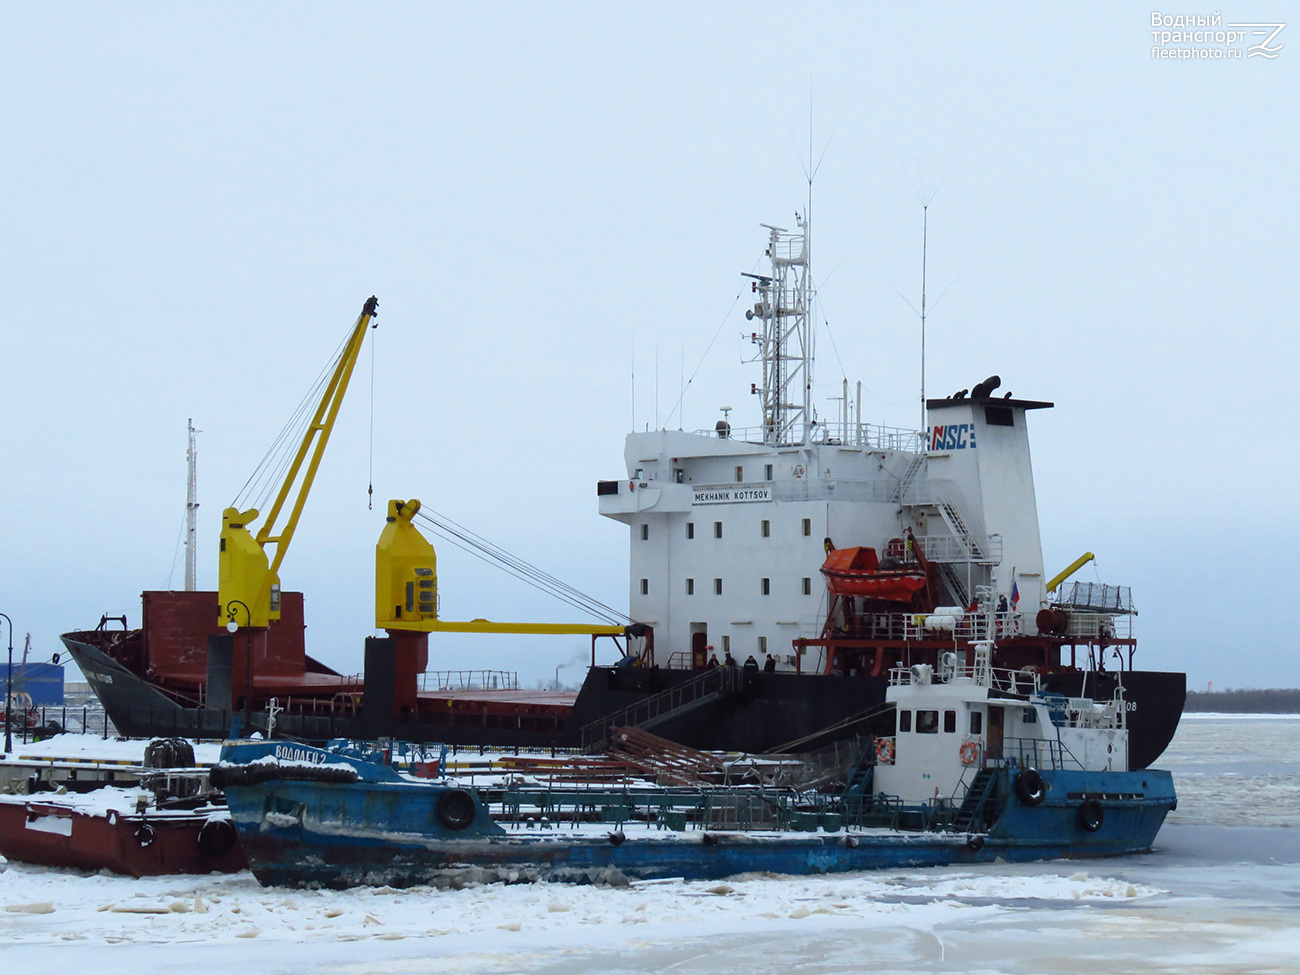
{"type": "Point", "coordinates": [191, 512]}
{"type": "Point", "coordinates": [784, 306]}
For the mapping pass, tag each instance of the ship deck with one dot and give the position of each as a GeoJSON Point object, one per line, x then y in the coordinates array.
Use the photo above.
{"type": "Point", "coordinates": [498, 699]}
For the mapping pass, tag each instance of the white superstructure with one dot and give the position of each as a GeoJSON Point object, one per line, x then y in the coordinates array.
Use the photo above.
{"type": "Point", "coordinates": [727, 526]}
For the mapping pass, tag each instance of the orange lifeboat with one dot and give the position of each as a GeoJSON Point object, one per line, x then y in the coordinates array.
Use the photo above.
{"type": "Point", "coordinates": [858, 572]}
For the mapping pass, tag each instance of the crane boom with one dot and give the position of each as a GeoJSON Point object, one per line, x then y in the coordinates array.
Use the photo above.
{"type": "Point", "coordinates": [1070, 570]}
{"type": "Point", "coordinates": [406, 586]}
{"type": "Point", "coordinates": [247, 574]}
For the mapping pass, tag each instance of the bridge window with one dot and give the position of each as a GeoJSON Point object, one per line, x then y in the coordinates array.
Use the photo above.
{"type": "Point", "coordinates": [765, 586]}
{"type": "Point", "coordinates": [717, 587]}
{"type": "Point", "coordinates": [690, 587]}
{"type": "Point", "coordinates": [717, 529]}
{"type": "Point", "coordinates": [740, 473]}
{"type": "Point", "coordinates": [726, 644]}
{"type": "Point", "coordinates": [767, 472]}
{"type": "Point", "coordinates": [762, 644]}
{"type": "Point", "coordinates": [976, 722]}
{"type": "Point", "coordinates": [949, 722]}
{"type": "Point", "coordinates": [904, 721]}
{"type": "Point", "coordinates": [645, 587]}
{"type": "Point", "coordinates": [767, 528]}
{"type": "Point", "coordinates": [645, 532]}
{"type": "Point", "coordinates": [927, 722]}
{"type": "Point", "coordinates": [690, 529]}
{"type": "Point", "coordinates": [1028, 716]}
{"type": "Point", "coordinates": [807, 526]}
{"type": "Point", "coordinates": [807, 586]}
{"type": "Point", "coordinates": [999, 416]}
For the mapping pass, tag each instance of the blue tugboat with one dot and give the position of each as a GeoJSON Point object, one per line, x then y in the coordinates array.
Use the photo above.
{"type": "Point", "coordinates": [981, 765]}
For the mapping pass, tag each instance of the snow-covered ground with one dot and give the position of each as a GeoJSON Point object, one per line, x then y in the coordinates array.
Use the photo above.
{"type": "Point", "coordinates": [1216, 896]}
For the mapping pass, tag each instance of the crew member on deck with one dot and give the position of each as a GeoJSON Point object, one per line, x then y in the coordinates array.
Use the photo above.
{"type": "Point", "coordinates": [751, 664]}
{"type": "Point", "coordinates": [729, 661]}
{"type": "Point", "coordinates": [769, 665]}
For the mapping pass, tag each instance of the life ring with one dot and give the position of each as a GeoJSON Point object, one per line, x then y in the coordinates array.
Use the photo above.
{"type": "Point", "coordinates": [884, 751]}
{"type": "Point", "coordinates": [456, 809]}
{"type": "Point", "coordinates": [1029, 787]}
{"type": "Point", "coordinates": [1091, 815]}
{"type": "Point", "coordinates": [145, 835]}
{"type": "Point", "coordinates": [969, 752]}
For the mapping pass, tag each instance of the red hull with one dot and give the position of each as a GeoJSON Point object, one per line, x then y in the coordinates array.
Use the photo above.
{"type": "Point", "coordinates": [138, 845]}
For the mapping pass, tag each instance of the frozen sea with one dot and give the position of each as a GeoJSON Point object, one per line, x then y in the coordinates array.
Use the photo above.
{"type": "Point", "coordinates": [1220, 893]}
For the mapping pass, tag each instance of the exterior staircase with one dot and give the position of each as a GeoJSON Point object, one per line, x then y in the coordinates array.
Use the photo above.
{"type": "Point", "coordinates": [977, 808]}
{"type": "Point", "coordinates": [909, 477]}
{"type": "Point", "coordinates": [649, 712]}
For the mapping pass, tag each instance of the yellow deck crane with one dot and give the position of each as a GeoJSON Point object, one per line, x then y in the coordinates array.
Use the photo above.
{"type": "Point", "coordinates": [406, 603]}
{"type": "Point", "coordinates": [405, 579]}
{"type": "Point", "coordinates": [247, 576]}
{"type": "Point", "coordinates": [1070, 570]}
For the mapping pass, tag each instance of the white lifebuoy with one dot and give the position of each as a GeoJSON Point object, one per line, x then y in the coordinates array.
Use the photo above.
{"type": "Point", "coordinates": [969, 752]}
{"type": "Point", "coordinates": [884, 751]}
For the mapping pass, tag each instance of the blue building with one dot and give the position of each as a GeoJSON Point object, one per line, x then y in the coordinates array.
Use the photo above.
{"type": "Point", "coordinates": [44, 682]}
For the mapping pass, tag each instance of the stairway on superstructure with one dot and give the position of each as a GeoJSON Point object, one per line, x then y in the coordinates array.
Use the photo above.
{"type": "Point", "coordinates": [649, 712]}
{"type": "Point", "coordinates": [968, 543]}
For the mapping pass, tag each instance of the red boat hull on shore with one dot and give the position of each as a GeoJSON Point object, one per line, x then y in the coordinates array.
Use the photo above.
{"type": "Point", "coordinates": [138, 845]}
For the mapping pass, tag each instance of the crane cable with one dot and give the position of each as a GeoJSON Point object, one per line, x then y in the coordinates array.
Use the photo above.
{"type": "Point", "coordinates": [269, 474]}
{"type": "Point", "coordinates": [370, 488]}
{"type": "Point", "coordinates": [481, 548]}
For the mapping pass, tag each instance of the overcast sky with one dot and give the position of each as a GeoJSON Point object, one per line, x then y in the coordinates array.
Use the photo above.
{"type": "Point", "coordinates": [551, 198]}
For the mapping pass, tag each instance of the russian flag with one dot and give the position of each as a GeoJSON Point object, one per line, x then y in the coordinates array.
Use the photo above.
{"type": "Point", "coordinates": [1015, 594]}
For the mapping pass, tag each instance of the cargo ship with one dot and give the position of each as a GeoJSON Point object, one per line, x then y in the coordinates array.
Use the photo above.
{"type": "Point", "coordinates": [806, 556]}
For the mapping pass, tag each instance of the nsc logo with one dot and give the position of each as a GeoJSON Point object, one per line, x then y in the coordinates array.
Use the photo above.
{"type": "Point", "coordinates": [954, 436]}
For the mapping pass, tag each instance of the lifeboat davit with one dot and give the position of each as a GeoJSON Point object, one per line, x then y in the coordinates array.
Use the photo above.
{"type": "Point", "coordinates": [859, 572]}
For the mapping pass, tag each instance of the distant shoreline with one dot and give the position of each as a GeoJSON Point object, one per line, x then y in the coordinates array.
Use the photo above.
{"type": "Point", "coordinates": [1243, 715]}
{"type": "Point", "coordinates": [1271, 701]}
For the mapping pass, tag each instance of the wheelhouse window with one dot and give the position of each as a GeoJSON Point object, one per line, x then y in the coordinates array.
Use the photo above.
{"type": "Point", "coordinates": [767, 472]}
{"type": "Point", "coordinates": [645, 532]}
{"type": "Point", "coordinates": [807, 527]}
{"type": "Point", "coordinates": [765, 586]}
{"type": "Point", "coordinates": [717, 529]}
{"type": "Point", "coordinates": [645, 587]}
{"type": "Point", "coordinates": [904, 721]}
{"type": "Point", "coordinates": [807, 585]}
{"type": "Point", "coordinates": [766, 528]}
{"type": "Point", "coordinates": [690, 587]}
{"type": "Point", "coordinates": [976, 723]}
{"type": "Point", "coordinates": [740, 473]}
{"type": "Point", "coordinates": [717, 587]}
{"type": "Point", "coordinates": [950, 722]}
{"type": "Point", "coordinates": [690, 529]}
{"type": "Point", "coordinates": [927, 722]}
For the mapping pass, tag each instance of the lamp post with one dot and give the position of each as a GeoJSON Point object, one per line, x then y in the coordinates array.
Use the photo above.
{"type": "Point", "coordinates": [9, 691]}
{"type": "Point", "coordinates": [232, 626]}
